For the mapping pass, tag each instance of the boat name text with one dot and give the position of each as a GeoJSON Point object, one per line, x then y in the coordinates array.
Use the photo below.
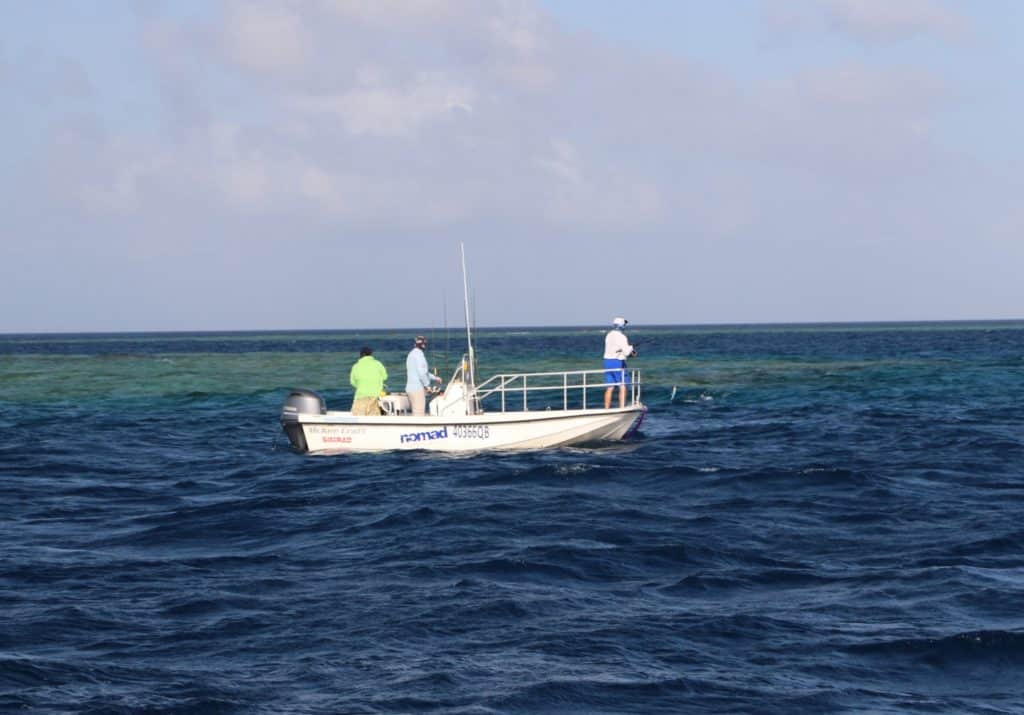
{"type": "Point", "coordinates": [425, 435]}
{"type": "Point", "coordinates": [334, 430]}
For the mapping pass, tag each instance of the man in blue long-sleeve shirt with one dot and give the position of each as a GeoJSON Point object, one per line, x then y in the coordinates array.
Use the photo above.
{"type": "Point", "coordinates": [418, 377]}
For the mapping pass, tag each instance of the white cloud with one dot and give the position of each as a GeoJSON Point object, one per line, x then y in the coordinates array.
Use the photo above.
{"type": "Point", "coordinates": [562, 163]}
{"type": "Point", "coordinates": [867, 21]}
{"type": "Point", "coordinates": [484, 112]}
{"type": "Point", "coordinates": [516, 27]}
{"type": "Point", "coordinates": [246, 183]}
{"type": "Point", "coordinates": [276, 181]}
{"type": "Point", "coordinates": [122, 189]}
{"type": "Point", "coordinates": [887, 20]}
{"type": "Point", "coordinates": [602, 200]}
{"type": "Point", "coordinates": [388, 13]}
{"type": "Point", "coordinates": [893, 90]}
{"type": "Point", "coordinates": [520, 127]}
{"type": "Point", "coordinates": [853, 124]}
{"type": "Point", "coordinates": [375, 108]}
{"type": "Point", "coordinates": [266, 37]}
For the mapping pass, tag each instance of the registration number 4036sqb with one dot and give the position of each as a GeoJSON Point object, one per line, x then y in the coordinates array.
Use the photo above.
{"type": "Point", "coordinates": [471, 431]}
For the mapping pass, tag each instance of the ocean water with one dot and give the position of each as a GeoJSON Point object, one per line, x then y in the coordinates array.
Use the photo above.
{"type": "Point", "coordinates": [813, 519]}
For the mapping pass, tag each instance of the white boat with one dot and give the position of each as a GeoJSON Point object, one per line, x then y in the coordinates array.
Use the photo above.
{"type": "Point", "coordinates": [506, 412]}
{"type": "Point", "coordinates": [457, 421]}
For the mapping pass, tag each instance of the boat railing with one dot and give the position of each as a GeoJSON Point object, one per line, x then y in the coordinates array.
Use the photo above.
{"type": "Point", "coordinates": [553, 390]}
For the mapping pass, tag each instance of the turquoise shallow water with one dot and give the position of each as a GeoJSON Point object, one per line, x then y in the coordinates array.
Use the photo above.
{"type": "Point", "coordinates": [823, 518]}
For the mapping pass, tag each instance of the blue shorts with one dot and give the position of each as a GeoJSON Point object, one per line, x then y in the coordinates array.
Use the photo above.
{"type": "Point", "coordinates": [615, 372]}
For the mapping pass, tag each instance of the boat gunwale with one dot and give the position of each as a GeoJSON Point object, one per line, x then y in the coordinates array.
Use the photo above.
{"type": "Point", "coordinates": [346, 418]}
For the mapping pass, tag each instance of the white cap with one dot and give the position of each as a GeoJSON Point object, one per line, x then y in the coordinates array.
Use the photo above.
{"type": "Point", "coordinates": [619, 322]}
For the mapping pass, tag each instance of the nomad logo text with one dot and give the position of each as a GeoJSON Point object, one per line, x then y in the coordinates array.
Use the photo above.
{"type": "Point", "coordinates": [425, 435]}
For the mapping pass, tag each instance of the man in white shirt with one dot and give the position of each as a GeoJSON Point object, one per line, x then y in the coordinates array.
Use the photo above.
{"type": "Point", "coordinates": [616, 350]}
{"type": "Point", "coordinates": [418, 379]}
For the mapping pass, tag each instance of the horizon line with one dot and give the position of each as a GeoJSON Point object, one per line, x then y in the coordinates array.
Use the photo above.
{"type": "Point", "coordinates": [808, 323]}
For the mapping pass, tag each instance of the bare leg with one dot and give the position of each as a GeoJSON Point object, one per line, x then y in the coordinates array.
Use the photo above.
{"type": "Point", "coordinates": [622, 395]}
{"type": "Point", "coordinates": [608, 398]}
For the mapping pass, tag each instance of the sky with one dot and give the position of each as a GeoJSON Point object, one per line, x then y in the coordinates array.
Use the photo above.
{"type": "Point", "coordinates": [315, 164]}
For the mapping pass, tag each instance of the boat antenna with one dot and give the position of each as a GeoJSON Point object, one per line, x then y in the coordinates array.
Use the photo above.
{"type": "Point", "coordinates": [469, 331]}
{"type": "Point", "coordinates": [476, 325]}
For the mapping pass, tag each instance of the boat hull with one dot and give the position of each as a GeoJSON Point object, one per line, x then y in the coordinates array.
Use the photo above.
{"type": "Point", "coordinates": [334, 432]}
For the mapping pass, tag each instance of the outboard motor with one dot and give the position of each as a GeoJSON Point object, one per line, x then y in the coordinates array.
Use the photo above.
{"type": "Point", "coordinates": [300, 402]}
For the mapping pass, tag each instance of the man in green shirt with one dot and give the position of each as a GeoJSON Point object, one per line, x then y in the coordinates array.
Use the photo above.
{"type": "Point", "coordinates": [367, 376]}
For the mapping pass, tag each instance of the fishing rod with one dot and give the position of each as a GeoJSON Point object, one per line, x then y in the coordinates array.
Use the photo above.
{"type": "Point", "coordinates": [447, 335]}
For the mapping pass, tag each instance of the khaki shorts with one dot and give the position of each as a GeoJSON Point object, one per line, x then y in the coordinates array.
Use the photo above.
{"type": "Point", "coordinates": [366, 406]}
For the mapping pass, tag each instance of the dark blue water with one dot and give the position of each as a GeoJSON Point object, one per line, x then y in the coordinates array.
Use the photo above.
{"type": "Point", "coordinates": [822, 519]}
